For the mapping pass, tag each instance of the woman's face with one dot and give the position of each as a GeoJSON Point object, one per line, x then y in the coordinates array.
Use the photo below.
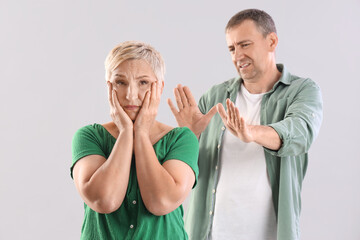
{"type": "Point", "coordinates": [131, 80]}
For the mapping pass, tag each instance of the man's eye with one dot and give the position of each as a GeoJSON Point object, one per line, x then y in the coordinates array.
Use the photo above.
{"type": "Point", "coordinates": [245, 45]}
{"type": "Point", "coordinates": [231, 49]}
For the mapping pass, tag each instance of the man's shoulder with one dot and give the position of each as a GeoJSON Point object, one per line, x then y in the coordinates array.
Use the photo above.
{"type": "Point", "coordinates": [296, 82]}
{"type": "Point", "coordinates": [302, 83]}
{"type": "Point", "coordinates": [221, 87]}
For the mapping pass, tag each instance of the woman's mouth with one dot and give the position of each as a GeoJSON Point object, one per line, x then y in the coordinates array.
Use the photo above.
{"type": "Point", "coordinates": [131, 107]}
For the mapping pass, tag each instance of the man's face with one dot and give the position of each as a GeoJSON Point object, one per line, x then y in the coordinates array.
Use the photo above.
{"type": "Point", "coordinates": [250, 51]}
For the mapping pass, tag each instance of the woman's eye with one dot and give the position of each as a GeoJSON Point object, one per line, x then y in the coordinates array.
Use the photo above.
{"type": "Point", "coordinates": [143, 82]}
{"type": "Point", "coordinates": [120, 82]}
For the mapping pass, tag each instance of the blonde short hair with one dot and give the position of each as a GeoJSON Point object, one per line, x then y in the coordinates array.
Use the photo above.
{"type": "Point", "coordinates": [130, 50]}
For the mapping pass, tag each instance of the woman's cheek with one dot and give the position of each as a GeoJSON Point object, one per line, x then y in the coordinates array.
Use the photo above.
{"type": "Point", "coordinates": [142, 94]}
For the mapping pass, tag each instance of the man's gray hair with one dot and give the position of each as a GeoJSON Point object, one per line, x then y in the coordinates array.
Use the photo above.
{"type": "Point", "coordinates": [263, 21]}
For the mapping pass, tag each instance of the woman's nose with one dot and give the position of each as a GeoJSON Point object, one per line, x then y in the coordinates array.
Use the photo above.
{"type": "Point", "coordinates": [132, 93]}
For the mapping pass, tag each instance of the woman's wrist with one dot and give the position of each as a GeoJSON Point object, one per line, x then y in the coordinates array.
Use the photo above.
{"type": "Point", "coordinates": [126, 132]}
{"type": "Point", "coordinates": [141, 132]}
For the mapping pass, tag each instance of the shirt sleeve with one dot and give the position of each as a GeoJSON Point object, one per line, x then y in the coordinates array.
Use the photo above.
{"type": "Point", "coordinates": [185, 147]}
{"type": "Point", "coordinates": [301, 123]}
{"type": "Point", "coordinates": [85, 142]}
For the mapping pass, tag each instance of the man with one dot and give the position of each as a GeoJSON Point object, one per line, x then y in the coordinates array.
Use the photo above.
{"type": "Point", "coordinates": [253, 155]}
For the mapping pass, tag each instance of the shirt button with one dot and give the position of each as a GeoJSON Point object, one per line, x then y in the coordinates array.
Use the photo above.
{"type": "Point", "coordinates": [131, 226]}
{"type": "Point", "coordinates": [216, 167]}
{"type": "Point", "coordinates": [134, 202]}
{"type": "Point", "coordinates": [210, 212]}
{"type": "Point", "coordinates": [223, 128]}
{"type": "Point", "coordinates": [218, 146]}
{"type": "Point", "coordinates": [213, 190]}
{"type": "Point", "coordinates": [313, 115]}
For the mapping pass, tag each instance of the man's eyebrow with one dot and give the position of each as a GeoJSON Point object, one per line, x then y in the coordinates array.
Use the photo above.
{"type": "Point", "coordinates": [242, 42]}
{"type": "Point", "coordinates": [238, 43]}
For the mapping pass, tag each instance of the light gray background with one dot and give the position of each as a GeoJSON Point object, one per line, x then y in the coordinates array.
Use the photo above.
{"type": "Point", "coordinates": [52, 83]}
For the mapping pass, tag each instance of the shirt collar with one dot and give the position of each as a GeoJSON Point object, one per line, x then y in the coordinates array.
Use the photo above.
{"type": "Point", "coordinates": [285, 79]}
{"type": "Point", "coordinates": [285, 75]}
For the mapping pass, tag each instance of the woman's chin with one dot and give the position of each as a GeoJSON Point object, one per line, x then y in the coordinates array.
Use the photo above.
{"type": "Point", "coordinates": [132, 115]}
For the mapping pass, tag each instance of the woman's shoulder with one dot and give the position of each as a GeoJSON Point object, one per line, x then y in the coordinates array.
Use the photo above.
{"type": "Point", "coordinates": [174, 133]}
{"type": "Point", "coordinates": [89, 128]}
{"type": "Point", "coordinates": [95, 130]}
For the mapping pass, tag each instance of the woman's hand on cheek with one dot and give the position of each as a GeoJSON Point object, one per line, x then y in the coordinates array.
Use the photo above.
{"type": "Point", "coordinates": [117, 113]}
{"type": "Point", "coordinates": [146, 117]}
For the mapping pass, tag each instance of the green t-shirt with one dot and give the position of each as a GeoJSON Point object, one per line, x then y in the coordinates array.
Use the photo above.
{"type": "Point", "coordinates": [132, 220]}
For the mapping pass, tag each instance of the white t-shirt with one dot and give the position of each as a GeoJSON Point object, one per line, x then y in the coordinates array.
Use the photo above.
{"type": "Point", "coordinates": [244, 208]}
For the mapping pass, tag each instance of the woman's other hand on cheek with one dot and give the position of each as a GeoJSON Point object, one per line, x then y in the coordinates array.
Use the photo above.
{"type": "Point", "coordinates": [117, 113]}
{"type": "Point", "coordinates": [146, 117]}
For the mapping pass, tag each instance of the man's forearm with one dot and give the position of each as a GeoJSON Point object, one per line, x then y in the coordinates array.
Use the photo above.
{"type": "Point", "coordinates": [266, 136]}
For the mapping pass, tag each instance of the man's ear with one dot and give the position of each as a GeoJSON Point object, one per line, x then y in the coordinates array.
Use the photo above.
{"type": "Point", "coordinates": [272, 40]}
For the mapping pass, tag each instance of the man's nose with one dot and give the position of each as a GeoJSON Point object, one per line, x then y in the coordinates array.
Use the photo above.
{"type": "Point", "coordinates": [238, 53]}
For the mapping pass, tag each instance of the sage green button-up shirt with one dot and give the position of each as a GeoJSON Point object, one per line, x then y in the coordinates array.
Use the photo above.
{"type": "Point", "coordinates": [294, 109]}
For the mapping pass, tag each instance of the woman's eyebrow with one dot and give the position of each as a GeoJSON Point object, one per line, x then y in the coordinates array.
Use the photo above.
{"type": "Point", "coordinates": [119, 75]}
{"type": "Point", "coordinates": [142, 76]}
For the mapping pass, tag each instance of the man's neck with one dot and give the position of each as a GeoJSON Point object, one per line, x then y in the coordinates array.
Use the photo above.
{"type": "Point", "coordinates": [265, 82]}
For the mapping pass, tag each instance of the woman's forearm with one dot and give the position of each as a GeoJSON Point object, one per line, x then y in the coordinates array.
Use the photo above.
{"type": "Point", "coordinates": [160, 191]}
{"type": "Point", "coordinates": [106, 187]}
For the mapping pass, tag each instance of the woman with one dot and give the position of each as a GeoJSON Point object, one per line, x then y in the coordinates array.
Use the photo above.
{"type": "Point", "coordinates": [134, 172]}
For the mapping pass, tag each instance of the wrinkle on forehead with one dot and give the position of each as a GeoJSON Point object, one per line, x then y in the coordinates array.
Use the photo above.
{"type": "Point", "coordinates": [135, 69]}
{"type": "Point", "coordinates": [245, 31]}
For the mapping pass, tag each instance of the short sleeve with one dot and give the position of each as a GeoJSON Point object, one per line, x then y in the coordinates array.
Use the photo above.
{"type": "Point", "coordinates": [184, 146]}
{"type": "Point", "coordinates": [86, 141]}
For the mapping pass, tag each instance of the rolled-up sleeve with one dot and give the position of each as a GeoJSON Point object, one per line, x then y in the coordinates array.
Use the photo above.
{"type": "Point", "coordinates": [302, 121]}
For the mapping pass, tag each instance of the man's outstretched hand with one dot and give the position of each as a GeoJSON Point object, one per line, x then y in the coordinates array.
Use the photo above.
{"type": "Point", "coordinates": [234, 122]}
{"type": "Point", "coordinates": [188, 113]}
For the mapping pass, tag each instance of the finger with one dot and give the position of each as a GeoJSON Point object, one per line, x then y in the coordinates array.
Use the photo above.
{"type": "Point", "coordinates": [158, 92]}
{"type": "Point", "coordinates": [146, 101]}
{"type": "Point", "coordinates": [237, 118]}
{"type": "Point", "coordinates": [178, 99]}
{"type": "Point", "coordinates": [189, 96]}
{"type": "Point", "coordinates": [184, 99]}
{"type": "Point", "coordinates": [115, 101]}
{"type": "Point", "coordinates": [153, 92]}
{"type": "Point", "coordinates": [155, 97]}
{"type": "Point", "coordinates": [211, 112]}
{"type": "Point", "coordinates": [113, 97]}
{"type": "Point", "coordinates": [110, 93]}
{"type": "Point", "coordinates": [233, 114]}
{"type": "Point", "coordinates": [242, 123]}
{"type": "Point", "coordinates": [222, 112]}
{"type": "Point", "coordinates": [172, 107]}
{"type": "Point", "coordinates": [228, 106]}
{"type": "Point", "coordinates": [116, 104]}
{"type": "Point", "coordinates": [228, 111]}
